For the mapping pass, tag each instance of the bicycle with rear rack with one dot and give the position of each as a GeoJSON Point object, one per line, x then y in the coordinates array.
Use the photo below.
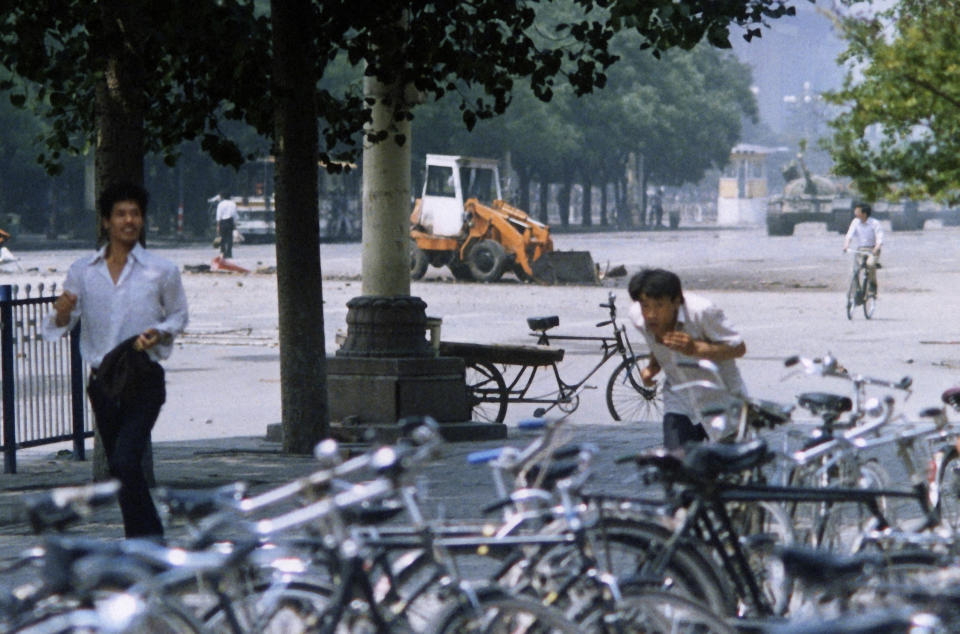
{"type": "Point", "coordinates": [497, 375]}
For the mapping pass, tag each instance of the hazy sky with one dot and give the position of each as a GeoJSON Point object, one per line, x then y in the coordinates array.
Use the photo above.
{"type": "Point", "coordinates": [793, 52]}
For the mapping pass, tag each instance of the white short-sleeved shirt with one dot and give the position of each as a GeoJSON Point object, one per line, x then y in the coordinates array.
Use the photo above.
{"type": "Point", "coordinates": [148, 294]}
{"type": "Point", "coordinates": [705, 321]}
{"type": "Point", "coordinates": [226, 209]}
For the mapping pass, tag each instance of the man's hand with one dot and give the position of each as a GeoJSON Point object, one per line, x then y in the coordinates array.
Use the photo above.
{"type": "Point", "coordinates": [680, 342]}
{"type": "Point", "coordinates": [147, 339]}
{"type": "Point", "coordinates": [64, 305]}
{"type": "Point", "coordinates": [648, 373]}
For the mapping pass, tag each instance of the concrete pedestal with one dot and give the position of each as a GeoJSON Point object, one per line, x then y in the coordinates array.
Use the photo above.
{"type": "Point", "coordinates": [386, 370]}
{"type": "Point", "coordinates": [376, 392]}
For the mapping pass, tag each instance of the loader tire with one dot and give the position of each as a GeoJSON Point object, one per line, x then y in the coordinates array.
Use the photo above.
{"type": "Point", "coordinates": [460, 271]}
{"type": "Point", "coordinates": [418, 261]}
{"type": "Point", "coordinates": [486, 261]}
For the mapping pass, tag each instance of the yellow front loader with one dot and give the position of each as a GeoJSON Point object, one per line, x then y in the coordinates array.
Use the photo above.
{"type": "Point", "coordinates": [481, 241]}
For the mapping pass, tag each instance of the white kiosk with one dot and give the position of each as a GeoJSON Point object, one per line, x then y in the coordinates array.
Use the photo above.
{"type": "Point", "coordinates": [742, 192]}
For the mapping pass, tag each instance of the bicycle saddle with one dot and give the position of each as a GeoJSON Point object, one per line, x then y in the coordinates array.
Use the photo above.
{"type": "Point", "coordinates": [951, 397]}
{"type": "Point", "coordinates": [543, 323]}
{"type": "Point", "coordinates": [821, 402]}
{"type": "Point", "coordinates": [709, 460]}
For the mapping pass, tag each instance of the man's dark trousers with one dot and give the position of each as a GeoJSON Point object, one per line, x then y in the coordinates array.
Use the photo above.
{"type": "Point", "coordinates": [678, 430]}
{"type": "Point", "coordinates": [226, 237]}
{"type": "Point", "coordinates": [125, 431]}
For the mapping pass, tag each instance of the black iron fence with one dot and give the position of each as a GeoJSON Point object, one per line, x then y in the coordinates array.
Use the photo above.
{"type": "Point", "coordinates": [42, 393]}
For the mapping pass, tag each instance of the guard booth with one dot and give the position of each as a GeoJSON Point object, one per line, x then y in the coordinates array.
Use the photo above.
{"type": "Point", "coordinates": [742, 191]}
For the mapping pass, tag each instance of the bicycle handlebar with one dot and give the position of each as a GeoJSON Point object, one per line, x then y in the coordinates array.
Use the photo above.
{"type": "Point", "coordinates": [829, 366]}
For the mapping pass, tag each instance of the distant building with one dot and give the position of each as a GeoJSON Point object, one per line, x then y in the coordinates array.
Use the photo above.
{"type": "Point", "coordinates": [742, 190]}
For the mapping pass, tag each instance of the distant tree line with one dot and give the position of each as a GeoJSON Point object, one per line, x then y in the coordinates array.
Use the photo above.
{"type": "Point", "coordinates": [676, 117]}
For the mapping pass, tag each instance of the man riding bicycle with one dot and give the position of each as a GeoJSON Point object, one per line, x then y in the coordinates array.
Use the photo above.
{"type": "Point", "coordinates": [867, 235]}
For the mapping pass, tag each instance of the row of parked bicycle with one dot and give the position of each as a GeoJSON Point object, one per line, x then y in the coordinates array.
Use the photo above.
{"type": "Point", "coordinates": [811, 536]}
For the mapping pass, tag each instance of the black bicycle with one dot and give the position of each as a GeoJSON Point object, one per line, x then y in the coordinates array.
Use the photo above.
{"type": "Point", "coordinates": [491, 385]}
{"type": "Point", "coordinates": [860, 292]}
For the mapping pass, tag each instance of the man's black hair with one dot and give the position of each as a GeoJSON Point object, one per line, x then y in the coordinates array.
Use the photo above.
{"type": "Point", "coordinates": [116, 193]}
{"type": "Point", "coordinates": [865, 208]}
{"type": "Point", "coordinates": [655, 283]}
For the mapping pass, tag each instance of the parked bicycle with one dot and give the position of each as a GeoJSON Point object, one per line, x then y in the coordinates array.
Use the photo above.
{"type": "Point", "coordinates": [489, 391]}
{"type": "Point", "coordinates": [860, 292]}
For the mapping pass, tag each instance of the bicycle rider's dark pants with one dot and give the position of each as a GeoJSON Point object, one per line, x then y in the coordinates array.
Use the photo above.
{"type": "Point", "coordinates": [125, 430]}
{"type": "Point", "coordinates": [679, 430]}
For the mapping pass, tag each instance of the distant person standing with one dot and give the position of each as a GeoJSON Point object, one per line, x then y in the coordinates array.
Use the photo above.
{"type": "Point", "coordinates": [132, 304]}
{"type": "Point", "coordinates": [226, 223]}
{"type": "Point", "coordinates": [656, 207]}
{"type": "Point", "coordinates": [866, 234]}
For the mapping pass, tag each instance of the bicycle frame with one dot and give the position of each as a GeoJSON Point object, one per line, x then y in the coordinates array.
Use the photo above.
{"type": "Point", "coordinates": [611, 346]}
{"type": "Point", "coordinates": [708, 520]}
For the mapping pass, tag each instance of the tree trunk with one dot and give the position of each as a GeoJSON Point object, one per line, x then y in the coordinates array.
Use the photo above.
{"type": "Point", "coordinates": [603, 205]}
{"type": "Point", "coordinates": [563, 201]}
{"type": "Point", "coordinates": [386, 197]}
{"type": "Point", "coordinates": [587, 207]}
{"type": "Point", "coordinates": [524, 200]}
{"type": "Point", "coordinates": [303, 368]}
{"type": "Point", "coordinates": [119, 110]}
{"type": "Point", "coordinates": [543, 212]}
{"type": "Point", "coordinates": [644, 215]}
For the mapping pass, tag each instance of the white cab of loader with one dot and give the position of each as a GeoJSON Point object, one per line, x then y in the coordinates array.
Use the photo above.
{"type": "Point", "coordinates": [451, 180]}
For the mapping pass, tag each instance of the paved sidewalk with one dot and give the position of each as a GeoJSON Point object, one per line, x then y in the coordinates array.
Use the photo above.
{"type": "Point", "coordinates": [455, 489]}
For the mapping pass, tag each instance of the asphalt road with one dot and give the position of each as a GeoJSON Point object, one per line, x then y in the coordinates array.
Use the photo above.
{"type": "Point", "coordinates": [786, 295]}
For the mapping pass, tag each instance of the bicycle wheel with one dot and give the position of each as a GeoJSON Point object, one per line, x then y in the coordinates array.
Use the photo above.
{"type": "Point", "coordinates": [869, 299]}
{"type": "Point", "coordinates": [843, 523]}
{"type": "Point", "coordinates": [765, 525]}
{"type": "Point", "coordinates": [500, 615]}
{"type": "Point", "coordinates": [626, 545]}
{"type": "Point", "coordinates": [121, 613]}
{"type": "Point", "coordinates": [282, 608]}
{"type": "Point", "coordinates": [657, 612]}
{"type": "Point", "coordinates": [486, 392]}
{"type": "Point", "coordinates": [852, 293]}
{"type": "Point", "coordinates": [628, 399]}
{"type": "Point", "coordinates": [949, 487]}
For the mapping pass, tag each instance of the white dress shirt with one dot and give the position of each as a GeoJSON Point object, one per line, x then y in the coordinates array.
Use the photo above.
{"type": "Point", "coordinates": [148, 294]}
{"type": "Point", "coordinates": [226, 208]}
{"type": "Point", "coordinates": [705, 321]}
{"type": "Point", "coordinates": [865, 235]}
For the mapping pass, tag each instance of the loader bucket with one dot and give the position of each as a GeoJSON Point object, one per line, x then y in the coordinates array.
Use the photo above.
{"type": "Point", "coordinates": [565, 267]}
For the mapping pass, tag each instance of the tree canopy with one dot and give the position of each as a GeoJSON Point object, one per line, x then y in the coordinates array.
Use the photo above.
{"type": "Point", "coordinates": [899, 131]}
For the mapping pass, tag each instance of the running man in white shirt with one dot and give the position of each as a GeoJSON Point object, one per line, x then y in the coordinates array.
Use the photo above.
{"type": "Point", "coordinates": [124, 293]}
{"type": "Point", "coordinates": [866, 234]}
{"type": "Point", "coordinates": [679, 327]}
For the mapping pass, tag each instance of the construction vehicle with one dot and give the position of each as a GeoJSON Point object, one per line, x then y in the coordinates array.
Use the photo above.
{"type": "Point", "coordinates": [462, 222]}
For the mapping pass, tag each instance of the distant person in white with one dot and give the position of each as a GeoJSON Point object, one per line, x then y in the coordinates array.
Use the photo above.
{"type": "Point", "coordinates": [677, 327]}
{"type": "Point", "coordinates": [866, 234]}
{"type": "Point", "coordinates": [123, 292]}
{"type": "Point", "coordinates": [226, 223]}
